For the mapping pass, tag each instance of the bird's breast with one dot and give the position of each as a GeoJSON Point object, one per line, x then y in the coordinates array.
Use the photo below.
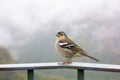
{"type": "Point", "coordinates": [62, 51]}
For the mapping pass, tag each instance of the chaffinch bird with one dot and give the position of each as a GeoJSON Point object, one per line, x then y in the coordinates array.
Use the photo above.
{"type": "Point", "coordinates": [68, 49]}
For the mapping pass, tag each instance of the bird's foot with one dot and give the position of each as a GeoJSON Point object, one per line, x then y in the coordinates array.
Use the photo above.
{"type": "Point", "coordinates": [69, 62]}
{"type": "Point", "coordinates": [60, 63]}
{"type": "Point", "coordinates": [65, 63]}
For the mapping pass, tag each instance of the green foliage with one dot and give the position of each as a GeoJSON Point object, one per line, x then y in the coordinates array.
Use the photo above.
{"type": "Point", "coordinates": [6, 58]}
{"type": "Point", "coordinates": [40, 76]}
{"type": "Point", "coordinates": [12, 75]}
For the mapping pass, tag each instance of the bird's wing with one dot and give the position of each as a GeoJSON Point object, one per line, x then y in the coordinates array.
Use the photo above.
{"type": "Point", "coordinates": [69, 44]}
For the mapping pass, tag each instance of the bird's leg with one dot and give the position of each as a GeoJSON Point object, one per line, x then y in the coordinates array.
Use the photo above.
{"type": "Point", "coordinates": [68, 61]}
{"type": "Point", "coordinates": [65, 62]}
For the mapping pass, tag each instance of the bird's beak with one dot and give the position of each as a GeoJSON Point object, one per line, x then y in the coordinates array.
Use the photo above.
{"type": "Point", "coordinates": [57, 35]}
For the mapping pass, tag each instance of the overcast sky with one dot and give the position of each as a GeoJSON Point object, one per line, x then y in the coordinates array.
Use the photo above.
{"type": "Point", "coordinates": [21, 19]}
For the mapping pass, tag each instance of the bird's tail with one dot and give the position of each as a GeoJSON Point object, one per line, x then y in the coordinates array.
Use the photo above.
{"type": "Point", "coordinates": [90, 57]}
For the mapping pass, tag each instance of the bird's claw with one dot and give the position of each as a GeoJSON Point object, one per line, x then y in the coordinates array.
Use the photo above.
{"type": "Point", "coordinates": [64, 63]}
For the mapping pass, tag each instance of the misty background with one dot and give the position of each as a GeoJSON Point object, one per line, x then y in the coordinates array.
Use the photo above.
{"type": "Point", "coordinates": [28, 28]}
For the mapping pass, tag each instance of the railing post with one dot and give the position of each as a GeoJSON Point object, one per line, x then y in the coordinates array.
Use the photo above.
{"type": "Point", "coordinates": [30, 74]}
{"type": "Point", "coordinates": [80, 74]}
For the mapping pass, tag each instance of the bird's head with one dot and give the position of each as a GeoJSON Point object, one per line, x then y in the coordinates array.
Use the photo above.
{"type": "Point", "coordinates": [61, 35]}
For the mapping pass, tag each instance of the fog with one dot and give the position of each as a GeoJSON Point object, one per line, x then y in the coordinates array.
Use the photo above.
{"type": "Point", "coordinates": [20, 20]}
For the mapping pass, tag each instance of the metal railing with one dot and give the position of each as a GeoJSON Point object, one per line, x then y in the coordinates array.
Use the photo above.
{"type": "Point", "coordinates": [80, 67]}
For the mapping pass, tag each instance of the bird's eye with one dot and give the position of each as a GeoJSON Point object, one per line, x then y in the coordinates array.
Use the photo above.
{"type": "Point", "coordinates": [62, 34]}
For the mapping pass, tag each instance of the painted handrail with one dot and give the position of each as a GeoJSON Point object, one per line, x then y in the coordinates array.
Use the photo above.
{"type": "Point", "coordinates": [80, 67]}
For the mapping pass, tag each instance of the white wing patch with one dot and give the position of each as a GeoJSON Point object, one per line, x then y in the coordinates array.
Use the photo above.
{"type": "Point", "coordinates": [66, 45]}
{"type": "Point", "coordinates": [62, 44]}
